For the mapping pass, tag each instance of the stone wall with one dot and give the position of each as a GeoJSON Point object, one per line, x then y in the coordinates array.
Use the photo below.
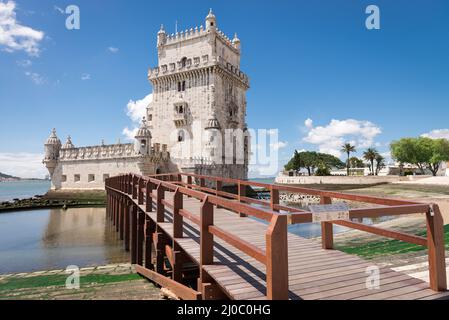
{"type": "Point", "coordinates": [360, 180]}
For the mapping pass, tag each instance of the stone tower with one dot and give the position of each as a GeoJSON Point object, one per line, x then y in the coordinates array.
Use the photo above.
{"type": "Point", "coordinates": [199, 101]}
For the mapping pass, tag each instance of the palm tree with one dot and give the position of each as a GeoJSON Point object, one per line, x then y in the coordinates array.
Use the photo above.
{"type": "Point", "coordinates": [348, 148]}
{"type": "Point", "coordinates": [370, 155]}
{"type": "Point", "coordinates": [380, 163]}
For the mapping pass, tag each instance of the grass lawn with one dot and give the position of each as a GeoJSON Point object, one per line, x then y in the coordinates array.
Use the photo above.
{"type": "Point", "coordinates": [373, 249]}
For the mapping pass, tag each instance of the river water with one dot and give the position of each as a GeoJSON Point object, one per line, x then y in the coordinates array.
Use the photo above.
{"type": "Point", "coordinates": [22, 189]}
{"type": "Point", "coordinates": [56, 238]}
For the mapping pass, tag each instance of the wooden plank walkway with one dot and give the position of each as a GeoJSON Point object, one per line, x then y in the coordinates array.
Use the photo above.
{"type": "Point", "coordinates": [314, 273]}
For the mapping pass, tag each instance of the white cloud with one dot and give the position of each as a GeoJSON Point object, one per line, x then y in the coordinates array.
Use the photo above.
{"type": "Point", "coordinates": [24, 63]}
{"type": "Point", "coordinates": [35, 77]}
{"type": "Point", "coordinates": [278, 145]}
{"type": "Point", "coordinates": [308, 123]}
{"type": "Point", "coordinates": [113, 49]}
{"type": "Point", "coordinates": [437, 134]}
{"type": "Point", "coordinates": [136, 110]}
{"type": "Point", "coordinates": [85, 76]}
{"type": "Point", "coordinates": [23, 165]}
{"type": "Point", "coordinates": [13, 35]}
{"type": "Point", "coordinates": [331, 137]}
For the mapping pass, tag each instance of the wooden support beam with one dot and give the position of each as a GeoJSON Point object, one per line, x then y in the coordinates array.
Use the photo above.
{"type": "Point", "coordinates": [140, 236]}
{"type": "Point", "coordinates": [122, 217]}
{"type": "Point", "coordinates": [127, 225]}
{"type": "Point", "coordinates": [241, 189]}
{"type": "Point", "coordinates": [177, 288]}
{"type": "Point", "coordinates": [150, 228]}
{"type": "Point", "coordinates": [277, 258]}
{"type": "Point", "coordinates": [327, 232]}
{"type": "Point", "coordinates": [436, 251]}
{"type": "Point", "coordinates": [159, 242]}
{"type": "Point", "coordinates": [177, 218]}
{"type": "Point", "coordinates": [160, 208]}
{"type": "Point", "coordinates": [148, 199]}
{"type": "Point", "coordinates": [206, 238]}
{"type": "Point", "coordinates": [134, 234]}
{"type": "Point", "coordinates": [140, 191]}
{"type": "Point", "coordinates": [274, 198]}
{"type": "Point", "coordinates": [134, 187]}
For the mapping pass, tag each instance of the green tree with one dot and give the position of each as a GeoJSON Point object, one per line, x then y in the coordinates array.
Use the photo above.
{"type": "Point", "coordinates": [380, 163]}
{"type": "Point", "coordinates": [423, 152]}
{"type": "Point", "coordinates": [440, 153]}
{"type": "Point", "coordinates": [370, 155]}
{"type": "Point", "coordinates": [311, 160]}
{"type": "Point", "coordinates": [348, 148]}
{"type": "Point", "coordinates": [355, 162]}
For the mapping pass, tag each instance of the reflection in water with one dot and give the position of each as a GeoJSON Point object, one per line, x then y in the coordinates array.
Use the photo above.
{"type": "Point", "coordinates": [52, 239]}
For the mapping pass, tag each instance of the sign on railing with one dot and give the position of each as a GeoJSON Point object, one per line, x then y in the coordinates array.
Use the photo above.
{"type": "Point", "coordinates": [329, 212]}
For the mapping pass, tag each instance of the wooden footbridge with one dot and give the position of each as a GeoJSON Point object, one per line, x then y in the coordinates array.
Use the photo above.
{"type": "Point", "coordinates": [187, 234]}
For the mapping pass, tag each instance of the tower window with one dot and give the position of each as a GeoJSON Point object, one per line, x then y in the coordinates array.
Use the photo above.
{"type": "Point", "coordinates": [105, 176]}
{"type": "Point", "coordinates": [91, 178]}
{"type": "Point", "coordinates": [76, 177]}
{"type": "Point", "coordinates": [181, 136]}
{"type": "Point", "coordinates": [181, 86]}
{"type": "Point", "coordinates": [183, 62]}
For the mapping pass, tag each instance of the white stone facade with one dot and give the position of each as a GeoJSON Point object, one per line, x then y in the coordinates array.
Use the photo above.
{"type": "Point", "coordinates": [195, 123]}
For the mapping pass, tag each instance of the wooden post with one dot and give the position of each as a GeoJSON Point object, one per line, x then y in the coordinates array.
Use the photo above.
{"type": "Point", "coordinates": [159, 250]}
{"type": "Point", "coordinates": [149, 230]}
{"type": "Point", "coordinates": [130, 182]}
{"type": "Point", "coordinates": [277, 258]}
{"type": "Point", "coordinates": [122, 217]}
{"type": "Point", "coordinates": [327, 232]}
{"type": "Point", "coordinates": [274, 198]}
{"type": "Point", "coordinates": [189, 181]}
{"type": "Point", "coordinates": [202, 183]}
{"type": "Point", "coordinates": [117, 217]}
{"type": "Point", "coordinates": [134, 234]}
{"type": "Point", "coordinates": [114, 209]}
{"type": "Point", "coordinates": [134, 187]}
{"type": "Point", "coordinates": [178, 261]}
{"type": "Point", "coordinates": [127, 225]}
{"type": "Point", "coordinates": [160, 208]}
{"type": "Point", "coordinates": [436, 250]}
{"type": "Point", "coordinates": [140, 236]}
{"type": "Point", "coordinates": [206, 238]}
{"type": "Point", "coordinates": [140, 192]}
{"type": "Point", "coordinates": [241, 188]}
{"type": "Point", "coordinates": [177, 218]}
{"type": "Point", "coordinates": [148, 198]}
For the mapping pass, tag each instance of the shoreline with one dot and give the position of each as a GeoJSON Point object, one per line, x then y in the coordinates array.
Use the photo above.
{"type": "Point", "coordinates": [56, 199]}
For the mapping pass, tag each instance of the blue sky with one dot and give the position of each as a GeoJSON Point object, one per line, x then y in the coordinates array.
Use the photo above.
{"type": "Point", "coordinates": [306, 60]}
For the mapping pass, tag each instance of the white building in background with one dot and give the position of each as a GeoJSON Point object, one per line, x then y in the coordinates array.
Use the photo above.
{"type": "Point", "coordinates": [195, 123]}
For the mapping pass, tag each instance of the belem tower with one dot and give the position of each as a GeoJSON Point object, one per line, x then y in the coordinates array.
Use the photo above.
{"type": "Point", "coordinates": [195, 123]}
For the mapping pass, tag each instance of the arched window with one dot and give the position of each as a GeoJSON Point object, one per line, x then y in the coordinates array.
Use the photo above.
{"type": "Point", "coordinates": [183, 62]}
{"type": "Point", "coordinates": [181, 136]}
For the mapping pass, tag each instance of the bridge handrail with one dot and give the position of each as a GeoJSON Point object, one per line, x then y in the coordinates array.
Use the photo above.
{"type": "Point", "coordinates": [387, 207]}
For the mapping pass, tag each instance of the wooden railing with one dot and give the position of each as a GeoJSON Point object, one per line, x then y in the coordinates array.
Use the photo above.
{"type": "Point", "coordinates": [140, 189]}
{"type": "Point", "coordinates": [208, 190]}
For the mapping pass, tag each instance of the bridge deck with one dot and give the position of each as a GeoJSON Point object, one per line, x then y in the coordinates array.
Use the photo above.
{"type": "Point", "coordinates": [314, 273]}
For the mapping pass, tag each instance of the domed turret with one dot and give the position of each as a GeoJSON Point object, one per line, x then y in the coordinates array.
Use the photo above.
{"type": "Point", "coordinates": [68, 144]}
{"type": "Point", "coordinates": [211, 21]}
{"type": "Point", "coordinates": [161, 36]}
{"type": "Point", "coordinates": [236, 42]}
{"type": "Point", "coordinates": [213, 136]}
{"type": "Point", "coordinates": [52, 146]}
{"type": "Point", "coordinates": [143, 137]}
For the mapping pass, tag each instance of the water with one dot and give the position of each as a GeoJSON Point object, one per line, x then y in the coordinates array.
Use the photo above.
{"type": "Point", "coordinates": [22, 189]}
{"type": "Point", "coordinates": [54, 239]}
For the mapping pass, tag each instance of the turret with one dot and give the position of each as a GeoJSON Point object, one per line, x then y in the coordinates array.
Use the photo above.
{"type": "Point", "coordinates": [211, 21]}
{"type": "Point", "coordinates": [214, 139]}
{"type": "Point", "coordinates": [161, 37]}
{"type": "Point", "coordinates": [68, 144]}
{"type": "Point", "coordinates": [142, 145]}
{"type": "Point", "coordinates": [236, 42]}
{"type": "Point", "coordinates": [52, 148]}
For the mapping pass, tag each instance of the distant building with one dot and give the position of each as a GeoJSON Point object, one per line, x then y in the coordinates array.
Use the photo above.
{"type": "Point", "coordinates": [199, 93]}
